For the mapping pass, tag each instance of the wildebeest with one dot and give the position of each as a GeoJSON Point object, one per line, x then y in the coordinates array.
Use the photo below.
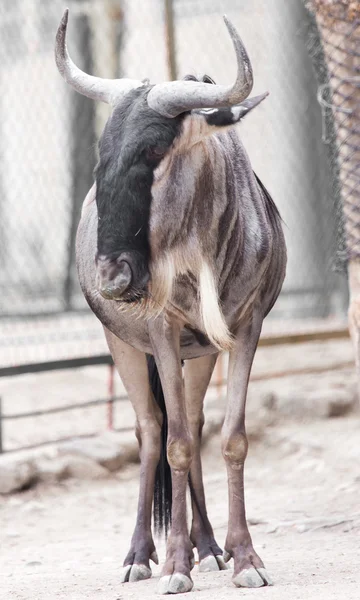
{"type": "Point", "coordinates": [180, 254]}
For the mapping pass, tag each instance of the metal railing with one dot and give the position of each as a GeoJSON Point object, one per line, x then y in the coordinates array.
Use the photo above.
{"type": "Point", "coordinates": [218, 381]}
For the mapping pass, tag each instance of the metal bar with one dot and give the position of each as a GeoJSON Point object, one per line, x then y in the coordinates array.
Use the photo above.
{"type": "Point", "coordinates": [315, 289]}
{"type": "Point", "coordinates": [110, 404]}
{"type": "Point", "coordinates": [50, 337]}
{"type": "Point", "coordinates": [218, 383]}
{"type": "Point", "coordinates": [1, 428]}
{"type": "Point", "coordinates": [346, 364]}
{"type": "Point", "coordinates": [44, 314]}
{"type": "Point", "coordinates": [259, 377]}
{"type": "Point", "coordinates": [106, 359]}
{"type": "Point", "coordinates": [56, 365]}
{"type": "Point", "coordinates": [170, 40]}
{"type": "Point", "coordinates": [65, 439]}
{"type": "Point", "coordinates": [301, 338]}
{"type": "Point", "coordinates": [58, 409]}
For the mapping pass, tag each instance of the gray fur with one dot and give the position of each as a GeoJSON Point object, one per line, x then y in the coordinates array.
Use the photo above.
{"type": "Point", "coordinates": [207, 205]}
{"type": "Point", "coordinates": [211, 241]}
{"type": "Point", "coordinates": [217, 208]}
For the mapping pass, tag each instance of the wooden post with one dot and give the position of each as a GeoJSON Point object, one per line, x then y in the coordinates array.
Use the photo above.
{"type": "Point", "coordinates": [170, 40]}
{"type": "Point", "coordinates": [1, 423]}
{"type": "Point", "coordinates": [82, 147]}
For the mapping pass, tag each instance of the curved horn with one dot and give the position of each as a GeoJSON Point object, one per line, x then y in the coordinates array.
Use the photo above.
{"type": "Point", "coordinates": [106, 90]}
{"type": "Point", "coordinates": [174, 97]}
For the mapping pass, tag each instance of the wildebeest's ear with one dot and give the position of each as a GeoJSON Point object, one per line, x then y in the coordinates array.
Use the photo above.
{"type": "Point", "coordinates": [199, 124]}
{"type": "Point", "coordinates": [223, 117]}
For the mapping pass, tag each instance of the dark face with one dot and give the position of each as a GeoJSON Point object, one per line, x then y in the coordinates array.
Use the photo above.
{"type": "Point", "coordinates": [134, 142]}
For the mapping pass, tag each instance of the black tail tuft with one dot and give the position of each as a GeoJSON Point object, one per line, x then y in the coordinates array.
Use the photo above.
{"type": "Point", "coordinates": [163, 488]}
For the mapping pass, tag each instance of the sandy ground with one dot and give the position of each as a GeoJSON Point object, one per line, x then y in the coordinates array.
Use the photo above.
{"type": "Point", "coordinates": [302, 486]}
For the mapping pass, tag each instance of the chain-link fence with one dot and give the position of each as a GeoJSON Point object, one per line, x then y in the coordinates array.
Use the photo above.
{"type": "Point", "coordinates": [48, 136]}
{"type": "Point", "coordinates": [339, 96]}
{"type": "Point", "coordinates": [48, 133]}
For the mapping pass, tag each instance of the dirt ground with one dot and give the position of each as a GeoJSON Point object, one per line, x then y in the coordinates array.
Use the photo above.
{"type": "Point", "coordinates": [303, 504]}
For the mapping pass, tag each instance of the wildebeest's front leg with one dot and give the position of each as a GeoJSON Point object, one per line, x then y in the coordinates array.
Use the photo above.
{"type": "Point", "coordinates": [165, 341]}
{"type": "Point", "coordinates": [248, 567]}
{"type": "Point", "coordinates": [132, 367]}
{"type": "Point", "coordinates": [198, 373]}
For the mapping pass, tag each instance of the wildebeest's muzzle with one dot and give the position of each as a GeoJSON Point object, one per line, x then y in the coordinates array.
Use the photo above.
{"type": "Point", "coordinates": [122, 278]}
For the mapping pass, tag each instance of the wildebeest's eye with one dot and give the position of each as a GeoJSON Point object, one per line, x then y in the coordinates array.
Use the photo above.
{"type": "Point", "coordinates": [156, 152]}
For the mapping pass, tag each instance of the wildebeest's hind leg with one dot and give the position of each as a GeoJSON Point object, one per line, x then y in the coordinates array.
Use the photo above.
{"type": "Point", "coordinates": [198, 373]}
{"type": "Point", "coordinates": [133, 370]}
{"type": "Point", "coordinates": [248, 567]}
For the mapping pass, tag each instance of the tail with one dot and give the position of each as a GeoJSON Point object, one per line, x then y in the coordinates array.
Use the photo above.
{"type": "Point", "coordinates": [162, 488]}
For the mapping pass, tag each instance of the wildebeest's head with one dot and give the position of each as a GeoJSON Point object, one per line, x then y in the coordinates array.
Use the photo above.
{"type": "Point", "coordinates": [134, 141]}
{"type": "Point", "coordinates": [145, 121]}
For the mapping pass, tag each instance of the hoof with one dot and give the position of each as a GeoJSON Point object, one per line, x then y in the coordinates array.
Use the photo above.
{"type": "Point", "coordinates": [154, 557]}
{"type": "Point", "coordinates": [212, 563]}
{"type": "Point", "coordinates": [266, 577]}
{"type": "Point", "coordinates": [175, 584]}
{"type": "Point", "coordinates": [134, 572]}
{"type": "Point", "coordinates": [252, 578]}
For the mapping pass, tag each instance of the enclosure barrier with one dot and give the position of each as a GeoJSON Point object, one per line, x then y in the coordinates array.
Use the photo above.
{"type": "Point", "coordinates": [49, 133]}
{"type": "Point", "coordinates": [218, 381]}
{"type": "Point", "coordinates": [48, 145]}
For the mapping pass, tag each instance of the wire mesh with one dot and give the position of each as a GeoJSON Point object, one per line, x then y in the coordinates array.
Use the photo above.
{"type": "Point", "coordinates": [339, 25]}
{"type": "Point", "coordinates": [49, 133]}
{"type": "Point", "coordinates": [48, 145]}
